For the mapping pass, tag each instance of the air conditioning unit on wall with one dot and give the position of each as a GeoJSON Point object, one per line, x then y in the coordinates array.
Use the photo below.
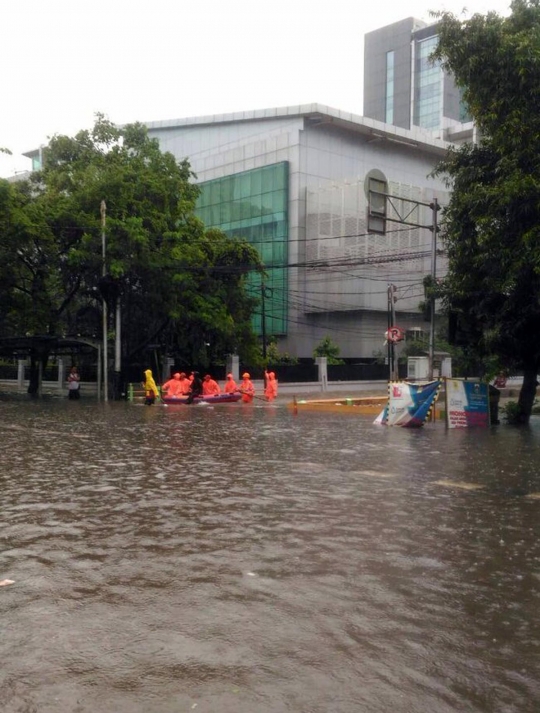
{"type": "Point", "coordinates": [417, 368]}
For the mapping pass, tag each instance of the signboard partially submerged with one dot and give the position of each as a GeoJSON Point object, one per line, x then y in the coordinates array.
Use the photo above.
{"type": "Point", "coordinates": [467, 404]}
{"type": "Point", "coordinates": [409, 405]}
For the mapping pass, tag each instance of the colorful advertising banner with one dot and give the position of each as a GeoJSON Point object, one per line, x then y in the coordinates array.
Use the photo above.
{"type": "Point", "coordinates": [467, 404]}
{"type": "Point", "coordinates": [409, 405]}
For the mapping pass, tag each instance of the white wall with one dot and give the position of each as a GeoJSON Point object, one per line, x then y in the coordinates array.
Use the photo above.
{"type": "Point", "coordinates": [326, 164]}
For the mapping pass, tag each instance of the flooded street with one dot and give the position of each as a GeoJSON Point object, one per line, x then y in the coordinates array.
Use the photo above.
{"type": "Point", "coordinates": [240, 559]}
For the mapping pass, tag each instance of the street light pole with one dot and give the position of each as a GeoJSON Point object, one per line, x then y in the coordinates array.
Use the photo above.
{"type": "Point", "coordinates": [103, 211]}
{"type": "Point", "coordinates": [435, 229]}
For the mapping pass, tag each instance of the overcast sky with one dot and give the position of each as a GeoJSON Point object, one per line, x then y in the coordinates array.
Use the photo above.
{"type": "Point", "coordinates": [64, 60]}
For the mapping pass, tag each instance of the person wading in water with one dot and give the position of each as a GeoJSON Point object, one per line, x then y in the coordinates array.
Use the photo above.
{"type": "Point", "coordinates": [196, 387]}
{"type": "Point", "coordinates": [150, 389]}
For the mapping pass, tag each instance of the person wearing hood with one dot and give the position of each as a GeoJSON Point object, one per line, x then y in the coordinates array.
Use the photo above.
{"type": "Point", "coordinates": [210, 386]}
{"type": "Point", "coordinates": [150, 388]}
{"type": "Point", "coordinates": [247, 389]}
{"type": "Point", "coordinates": [270, 390]}
{"type": "Point", "coordinates": [230, 385]}
{"type": "Point", "coordinates": [74, 383]}
{"type": "Point", "coordinates": [173, 386]}
{"type": "Point", "coordinates": [196, 387]}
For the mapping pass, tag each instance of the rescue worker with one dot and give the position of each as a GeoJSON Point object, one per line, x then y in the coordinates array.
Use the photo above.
{"type": "Point", "coordinates": [195, 388]}
{"type": "Point", "coordinates": [230, 385]}
{"type": "Point", "coordinates": [173, 386]}
{"type": "Point", "coordinates": [150, 388]}
{"type": "Point", "coordinates": [270, 390]}
{"type": "Point", "coordinates": [210, 386]}
{"type": "Point", "coordinates": [185, 384]}
{"type": "Point", "coordinates": [247, 389]}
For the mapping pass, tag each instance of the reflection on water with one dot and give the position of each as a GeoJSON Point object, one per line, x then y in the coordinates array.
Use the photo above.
{"type": "Point", "coordinates": [240, 559]}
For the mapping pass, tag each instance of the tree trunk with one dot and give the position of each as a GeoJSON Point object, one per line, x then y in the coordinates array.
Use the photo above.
{"type": "Point", "coordinates": [527, 393]}
{"type": "Point", "coordinates": [33, 383]}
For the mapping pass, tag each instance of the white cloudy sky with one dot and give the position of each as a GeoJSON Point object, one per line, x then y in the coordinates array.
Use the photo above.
{"type": "Point", "coordinates": [64, 60]}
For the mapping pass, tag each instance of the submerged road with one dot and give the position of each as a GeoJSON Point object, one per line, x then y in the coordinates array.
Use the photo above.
{"type": "Point", "coordinates": [239, 558]}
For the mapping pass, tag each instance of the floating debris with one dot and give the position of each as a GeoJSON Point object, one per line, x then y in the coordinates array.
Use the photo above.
{"type": "Point", "coordinates": [533, 496]}
{"type": "Point", "coordinates": [458, 484]}
{"type": "Point", "coordinates": [5, 582]}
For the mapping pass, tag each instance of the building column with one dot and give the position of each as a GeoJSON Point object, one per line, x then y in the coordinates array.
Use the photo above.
{"type": "Point", "coordinates": [61, 373]}
{"type": "Point", "coordinates": [322, 363]}
{"type": "Point", "coordinates": [20, 373]}
{"type": "Point", "coordinates": [168, 364]}
{"type": "Point", "coordinates": [233, 366]}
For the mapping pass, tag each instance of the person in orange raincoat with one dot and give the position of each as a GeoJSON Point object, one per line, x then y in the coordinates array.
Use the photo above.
{"type": "Point", "coordinates": [185, 384]}
{"type": "Point", "coordinates": [210, 387]}
{"type": "Point", "coordinates": [230, 385]}
{"type": "Point", "coordinates": [173, 386]}
{"type": "Point", "coordinates": [247, 389]}
{"type": "Point", "coordinates": [270, 390]}
{"type": "Point", "coordinates": [150, 389]}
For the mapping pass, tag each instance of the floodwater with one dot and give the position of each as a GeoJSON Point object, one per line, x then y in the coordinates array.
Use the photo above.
{"type": "Point", "coordinates": [241, 559]}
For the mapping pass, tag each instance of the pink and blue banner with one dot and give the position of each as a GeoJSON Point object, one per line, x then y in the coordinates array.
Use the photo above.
{"type": "Point", "coordinates": [409, 405]}
{"type": "Point", "coordinates": [467, 404]}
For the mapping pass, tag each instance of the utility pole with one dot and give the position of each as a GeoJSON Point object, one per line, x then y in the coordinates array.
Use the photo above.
{"type": "Point", "coordinates": [388, 341]}
{"type": "Point", "coordinates": [103, 211]}
{"type": "Point", "coordinates": [117, 347]}
{"type": "Point", "coordinates": [263, 318]}
{"type": "Point", "coordinates": [393, 298]}
{"type": "Point", "coordinates": [379, 215]}
{"type": "Point", "coordinates": [391, 323]}
{"type": "Point", "coordinates": [434, 230]}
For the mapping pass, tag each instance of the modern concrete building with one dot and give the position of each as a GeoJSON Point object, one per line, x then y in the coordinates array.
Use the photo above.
{"type": "Point", "coordinates": [294, 181]}
{"type": "Point", "coordinates": [403, 87]}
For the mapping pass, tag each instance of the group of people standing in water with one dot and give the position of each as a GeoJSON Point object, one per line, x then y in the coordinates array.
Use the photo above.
{"type": "Point", "coordinates": [192, 386]}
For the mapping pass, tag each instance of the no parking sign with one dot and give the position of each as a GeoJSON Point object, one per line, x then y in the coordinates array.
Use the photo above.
{"type": "Point", "coordinates": [395, 334]}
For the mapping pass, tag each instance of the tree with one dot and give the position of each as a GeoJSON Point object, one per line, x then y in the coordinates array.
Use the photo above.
{"type": "Point", "coordinates": [327, 348]}
{"type": "Point", "coordinates": [178, 283]}
{"type": "Point", "coordinates": [276, 358]}
{"type": "Point", "coordinates": [492, 223]}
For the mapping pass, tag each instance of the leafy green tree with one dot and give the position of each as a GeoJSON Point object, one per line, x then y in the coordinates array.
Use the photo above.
{"type": "Point", "coordinates": [7, 253]}
{"type": "Point", "coordinates": [178, 284]}
{"type": "Point", "coordinates": [327, 348]}
{"type": "Point", "coordinates": [492, 228]}
{"type": "Point", "coordinates": [276, 358]}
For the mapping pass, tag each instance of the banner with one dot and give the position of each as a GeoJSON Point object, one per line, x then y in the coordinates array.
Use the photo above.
{"type": "Point", "coordinates": [409, 405]}
{"type": "Point", "coordinates": [467, 404]}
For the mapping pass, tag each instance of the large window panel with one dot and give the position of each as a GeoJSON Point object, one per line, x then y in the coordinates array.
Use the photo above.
{"type": "Point", "coordinates": [253, 205]}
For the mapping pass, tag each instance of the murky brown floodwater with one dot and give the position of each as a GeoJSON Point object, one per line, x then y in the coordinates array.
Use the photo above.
{"type": "Point", "coordinates": [240, 559]}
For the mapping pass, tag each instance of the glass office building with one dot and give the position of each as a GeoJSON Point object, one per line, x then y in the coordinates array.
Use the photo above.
{"type": "Point", "coordinates": [254, 205]}
{"type": "Point", "coordinates": [403, 86]}
{"type": "Point", "coordinates": [428, 86]}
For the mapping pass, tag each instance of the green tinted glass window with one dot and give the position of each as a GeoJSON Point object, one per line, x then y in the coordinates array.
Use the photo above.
{"type": "Point", "coordinates": [267, 179]}
{"type": "Point", "coordinates": [253, 205]}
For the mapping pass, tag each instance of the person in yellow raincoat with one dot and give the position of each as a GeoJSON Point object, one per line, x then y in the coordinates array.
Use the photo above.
{"type": "Point", "coordinates": [150, 388]}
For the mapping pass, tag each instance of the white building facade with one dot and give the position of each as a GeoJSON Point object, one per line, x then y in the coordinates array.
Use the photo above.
{"type": "Point", "coordinates": [295, 183]}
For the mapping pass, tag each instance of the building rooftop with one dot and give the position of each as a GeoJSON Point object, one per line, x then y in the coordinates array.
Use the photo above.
{"type": "Point", "coordinates": [317, 114]}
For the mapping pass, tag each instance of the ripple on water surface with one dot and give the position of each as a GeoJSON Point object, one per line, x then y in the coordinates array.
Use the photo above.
{"type": "Point", "coordinates": [240, 559]}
